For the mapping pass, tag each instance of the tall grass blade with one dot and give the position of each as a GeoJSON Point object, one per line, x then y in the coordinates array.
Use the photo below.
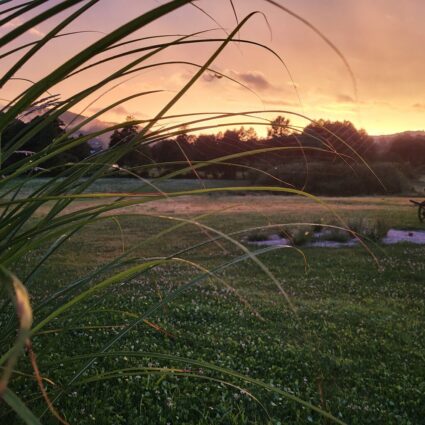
{"type": "Point", "coordinates": [37, 19]}
{"type": "Point", "coordinates": [38, 46]}
{"type": "Point", "coordinates": [20, 408]}
{"type": "Point", "coordinates": [23, 310]}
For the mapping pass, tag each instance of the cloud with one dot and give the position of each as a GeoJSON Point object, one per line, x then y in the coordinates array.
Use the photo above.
{"type": "Point", "coordinates": [336, 108]}
{"type": "Point", "coordinates": [281, 102]}
{"type": "Point", "coordinates": [211, 77]}
{"type": "Point", "coordinates": [254, 79]}
{"type": "Point", "coordinates": [344, 98]}
{"type": "Point", "coordinates": [118, 110]}
{"type": "Point", "coordinates": [121, 110]}
{"type": "Point", "coordinates": [35, 31]}
{"type": "Point", "coordinates": [14, 23]}
{"type": "Point", "coordinates": [420, 106]}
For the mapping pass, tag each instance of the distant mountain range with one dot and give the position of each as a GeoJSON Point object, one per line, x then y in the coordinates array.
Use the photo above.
{"type": "Point", "coordinates": [72, 119]}
{"type": "Point", "coordinates": [384, 141]}
{"type": "Point", "coordinates": [99, 142]}
{"type": "Point", "coordinates": [102, 141]}
{"type": "Point", "coordinates": [390, 137]}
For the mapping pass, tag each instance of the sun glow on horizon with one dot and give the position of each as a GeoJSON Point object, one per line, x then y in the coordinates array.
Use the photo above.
{"type": "Point", "coordinates": [247, 78]}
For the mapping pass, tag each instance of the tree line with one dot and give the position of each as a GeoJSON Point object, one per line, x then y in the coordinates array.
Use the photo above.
{"type": "Point", "coordinates": [329, 157]}
{"type": "Point", "coordinates": [326, 157]}
{"type": "Point", "coordinates": [38, 141]}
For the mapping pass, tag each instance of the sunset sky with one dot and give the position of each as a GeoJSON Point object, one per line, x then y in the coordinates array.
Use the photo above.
{"type": "Point", "coordinates": [381, 39]}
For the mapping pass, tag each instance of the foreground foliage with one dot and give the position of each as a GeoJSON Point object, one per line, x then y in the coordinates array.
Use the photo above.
{"type": "Point", "coordinates": [354, 347]}
{"type": "Point", "coordinates": [82, 313]}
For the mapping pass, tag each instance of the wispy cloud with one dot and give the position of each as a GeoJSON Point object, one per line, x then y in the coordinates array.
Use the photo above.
{"type": "Point", "coordinates": [280, 102]}
{"type": "Point", "coordinates": [14, 23]}
{"type": "Point", "coordinates": [420, 106]}
{"type": "Point", "coordinates": [118, 110]}
{"type": "Point", "coordinates": [35, 31]}
{"type": "Point", "coordinates": [122, 110]}
{"type": "Point", "coordinates": [253, 79]}
{"type": "Point", "coordinates": [345, 98]}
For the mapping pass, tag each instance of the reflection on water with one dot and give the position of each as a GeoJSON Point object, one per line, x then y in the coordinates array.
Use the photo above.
{"type": "Point", "coordinates": [413, 236]}
{"type": "Point", "coordinates": [393, 236]}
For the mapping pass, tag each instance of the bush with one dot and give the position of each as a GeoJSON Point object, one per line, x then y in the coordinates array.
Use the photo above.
{"type": "Point", "coordinates": [337, 235]}
{"type": "Point", "coordinates": [370, 229]}
{"type": "Point", "coordinates": [338, 179]}
{"type": "Point", "coordinates": [299, 235]}
{"type": "Point", "coordinates": [257, 237]}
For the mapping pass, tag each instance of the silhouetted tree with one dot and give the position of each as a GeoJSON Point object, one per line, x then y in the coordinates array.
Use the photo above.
{"type": "Point", "coordinates": [279, 127]}
{"type": "Point", "coordinates": [340, 137]}
{"type": "Point", "coordinates": [40, 141]}
{"type": "Point", "coordinates": [248, 134]}
{"type": "Point", "coordinates": [409, 150]}
{"type": "Point", "coordinates": [134, 156]}
{"type": "Point", "coordinates": [123, 135]}
{"type": "Point", "coordinates": [46, 135]}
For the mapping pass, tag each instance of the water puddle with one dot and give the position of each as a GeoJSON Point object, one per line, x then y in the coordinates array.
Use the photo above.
{"type": "Point", "coordinates": [396, 236]}
{"type": "Point", "coordinates": [319, 239]}
{"type": "Point", "coordinates": [273, 240]}
{"type": "Point", "coordinates": [332, 244]}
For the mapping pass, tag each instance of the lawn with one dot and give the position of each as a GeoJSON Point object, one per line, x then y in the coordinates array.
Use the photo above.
{"type": "Point", "coordinates": [351, 341]}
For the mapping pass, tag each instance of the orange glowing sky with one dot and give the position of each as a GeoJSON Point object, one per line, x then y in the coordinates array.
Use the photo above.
{"type": "Point", "coordinates": [381, 39]}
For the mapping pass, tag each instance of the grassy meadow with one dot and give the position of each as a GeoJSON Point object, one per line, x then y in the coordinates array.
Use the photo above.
{"type": "Point", "coordinates": [125, 301]}
{"type": "Point", "coordinates": [352, 342]}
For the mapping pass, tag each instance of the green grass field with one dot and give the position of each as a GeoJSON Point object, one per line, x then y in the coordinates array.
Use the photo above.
{"type": "Point", "coordinates": [354, 344]}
